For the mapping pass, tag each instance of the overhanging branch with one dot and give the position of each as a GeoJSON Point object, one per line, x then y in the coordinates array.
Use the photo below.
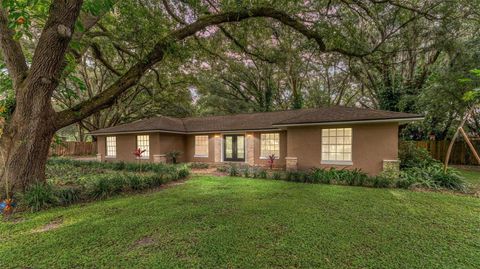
{"type": "Point", "coordinates": [12, 51]}
{"type": "Point", "coordinates": [134, 74]}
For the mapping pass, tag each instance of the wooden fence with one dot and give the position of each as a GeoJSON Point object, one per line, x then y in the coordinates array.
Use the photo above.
{"type": "Point", "coordinates": [72, 148]}
{"type": "Point", "coordinates": [461, 153]}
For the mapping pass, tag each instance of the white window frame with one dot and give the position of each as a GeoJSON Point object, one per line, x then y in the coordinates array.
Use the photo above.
{"type": "Point", "coordinates": [110, 148]}
{"type": "Point", "coordinates": [202, 139]}
{"type": "Point", "coordinates": [143, 144]}
{"type": "Point", "coordinates": [264, 138]}
{"type": "Point", "coordinates": [346, 141]}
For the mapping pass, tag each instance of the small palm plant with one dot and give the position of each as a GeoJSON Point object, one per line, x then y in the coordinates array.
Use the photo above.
{"type": "Point", "coordinates": [173, 156]}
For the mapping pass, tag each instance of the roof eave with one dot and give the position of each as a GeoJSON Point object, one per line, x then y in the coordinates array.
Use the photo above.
{"type": "Point", "coordinates": [398, 120]}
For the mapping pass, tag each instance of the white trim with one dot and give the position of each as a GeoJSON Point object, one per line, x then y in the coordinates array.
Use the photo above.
{"type": "Point", "coordinates": [350, 122]}
{"type": "Point", "coordinates": [200, 156]}
{"type": "Point", "coordinates": [110, 157]}
{"type": "Point", "coordinates": [337, 162]}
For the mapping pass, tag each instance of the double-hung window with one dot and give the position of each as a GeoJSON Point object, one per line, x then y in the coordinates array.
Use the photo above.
{"type": "Point", "coordinates": [337, 146]}
{"type": "Point", "coordinates": [111, 146]}
{"type": "Point", "coordinates": [143, 143]}
{"type": "Point", "coordinates": [201, 146]}
{"type": "Point", "coordinates": [269, 144]}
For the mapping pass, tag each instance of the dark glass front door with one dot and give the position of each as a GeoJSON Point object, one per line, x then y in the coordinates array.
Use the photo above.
{"type": "Point", "coordinates": [234, 148]}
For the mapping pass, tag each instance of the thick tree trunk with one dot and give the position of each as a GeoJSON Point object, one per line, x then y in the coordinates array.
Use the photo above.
{"type": "Point", "coordinates": [25, 145]}
{"type": "Point", "coordinates": [26, 137]}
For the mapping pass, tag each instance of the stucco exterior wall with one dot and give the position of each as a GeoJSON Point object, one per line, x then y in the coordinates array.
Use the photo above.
{"type": "Point", "coordinates": [371, 144]}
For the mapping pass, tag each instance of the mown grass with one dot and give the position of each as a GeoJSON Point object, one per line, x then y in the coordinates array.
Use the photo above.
{"type": "Point", "coordinates": [471, 176]}
{"type": "Point", "coordinates": [225, 222]}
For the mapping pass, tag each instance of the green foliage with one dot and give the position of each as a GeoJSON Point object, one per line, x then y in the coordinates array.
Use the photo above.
{"type": "Point", "coordinates": [233, 170]}
{"type": "Point", "coordinates": [68, 195]}
{"type": "Point", "coordinates": [173, 156]}
{"type": "Point", "coordinates": [432, 176]}
{"type": "Point", "coordinates": [73, 181]}
{"type": "Point", "coordinates": [40, 196]}
{"type": "Point", "coordinates": [197, 165]}
{"type": "Point", "coordinates": [412, 156]}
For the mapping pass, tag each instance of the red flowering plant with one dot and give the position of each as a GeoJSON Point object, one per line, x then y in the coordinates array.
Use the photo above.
{"type": "Point", "coordinates": [271, 160]}
{"type": "Point", "coordinates": [138, 155]}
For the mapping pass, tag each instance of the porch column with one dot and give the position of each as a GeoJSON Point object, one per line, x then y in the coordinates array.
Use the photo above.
{"type": "Point", "coordinates": [250, 139]}
{"type": "Point", "coordinates": [217, 146]}
{"type": "Point", "coordinates": [100, 157]}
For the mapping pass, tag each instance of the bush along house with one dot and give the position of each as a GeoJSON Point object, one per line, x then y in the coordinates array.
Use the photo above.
{"type": "Point", "coordinates": [339, 137]}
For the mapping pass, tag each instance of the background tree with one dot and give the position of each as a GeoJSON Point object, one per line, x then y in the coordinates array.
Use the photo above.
{"type": "Point", "coordinates": [56, 30]}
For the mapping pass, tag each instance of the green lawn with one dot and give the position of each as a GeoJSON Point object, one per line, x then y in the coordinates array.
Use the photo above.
{"type": "Point", "coordinates": [246, 223]}
{"type": "Point", "coordinates": [471, 177]}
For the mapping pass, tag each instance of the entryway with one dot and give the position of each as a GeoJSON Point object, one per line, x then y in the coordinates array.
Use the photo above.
{"type": "Point", "coordinates": [234, 148]}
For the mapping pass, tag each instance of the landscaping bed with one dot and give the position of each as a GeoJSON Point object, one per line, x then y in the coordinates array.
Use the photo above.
{"type": "Point", "coordinates": [71, 181]}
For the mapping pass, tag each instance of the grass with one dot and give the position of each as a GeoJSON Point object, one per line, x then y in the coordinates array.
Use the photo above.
{"type": "Point", "coordinates": [213, 222]}
{"type": "Point", "coordinates": [471, 176]}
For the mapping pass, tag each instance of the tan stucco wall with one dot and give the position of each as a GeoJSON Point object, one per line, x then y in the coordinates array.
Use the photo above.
{"type": "Point", "coordinates": [172, 142]}
{"type": "Point", "coordinates": [160, 143]}
{"type": "Point", "coordinates": [371, 144]}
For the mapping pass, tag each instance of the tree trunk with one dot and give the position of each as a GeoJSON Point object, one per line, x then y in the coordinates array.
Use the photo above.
{"type": "Point", "coordinates": [26, 139]}
{"type": "Point", "coordinates": [25, 151]}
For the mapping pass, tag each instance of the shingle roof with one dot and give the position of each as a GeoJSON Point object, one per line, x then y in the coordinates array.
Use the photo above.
{"type": "Point", "coordinates": [258, 121]}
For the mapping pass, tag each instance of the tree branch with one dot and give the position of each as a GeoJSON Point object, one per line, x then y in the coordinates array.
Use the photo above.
{"type": "Point", "coordinates": [134, 74]}
{"type": "Point", "coordinates": [12, 51]}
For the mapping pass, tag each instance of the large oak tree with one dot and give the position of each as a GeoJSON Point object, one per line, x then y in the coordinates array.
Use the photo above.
{"type": "Point", "coordinates": [29, 128]}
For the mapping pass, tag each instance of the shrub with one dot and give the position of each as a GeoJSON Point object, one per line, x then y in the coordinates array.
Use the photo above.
{"type": "Point", "coordinates": [246, 171]}
{"type": "Point", "coordinates": [222, 169]}
{"type": "Point", "coordinates": [277, 175]}
{"type": "Point", "coordinates": [183, 172]}
{"type": "Point", "coordinates": [67, 195]}
{"type": "Point", "coordinates": [433, 176]}
{"type": "Point", "coordinates": [319, 175]}
{"type": "Point", "coordinates": [296, 176]}
{"type": "Point", "coordinates": [382, 182]}
{"type": "Point", "coordinates": [135, 182]}
{"type": "Point", "coordinates": [412, 156]}
{"type": "Point", "coordinates": [103, 186]}
{"type": "Point", "coordinates": [40, 196]}
{"type": "Point", "coordinates": [233, 170]}
{"type": "Point", "coordinates": [198, 166]}
{"type": "Point", "coordinates": [262, 174]}
{"type": "Point", "coordinates": [173, 156]}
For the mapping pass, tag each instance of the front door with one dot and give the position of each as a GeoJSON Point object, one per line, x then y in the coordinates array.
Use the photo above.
{"type": "Point", "coordinates": [234, 148]}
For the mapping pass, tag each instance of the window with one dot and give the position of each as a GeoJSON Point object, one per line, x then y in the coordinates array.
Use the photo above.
{"type": "Point", "coordinates": [269, 144]}
{"type": "Point", "coordinates": [201, 146]}
{"type": "Point", "coordinates": [337, 145]}
{"type": "Point", "coordinates": [111, 146]}
{"type": "Point", "coordinates": [143, 143]}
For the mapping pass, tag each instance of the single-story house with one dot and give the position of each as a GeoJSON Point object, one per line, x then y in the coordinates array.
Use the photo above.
{"type": "Point", "coordinates": [342, 137]}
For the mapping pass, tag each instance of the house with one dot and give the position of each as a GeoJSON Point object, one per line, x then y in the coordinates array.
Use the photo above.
{"type": "Point", "coordinates": [341, 137]}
